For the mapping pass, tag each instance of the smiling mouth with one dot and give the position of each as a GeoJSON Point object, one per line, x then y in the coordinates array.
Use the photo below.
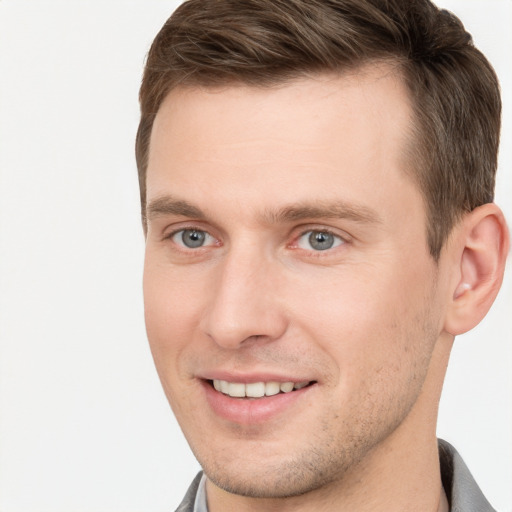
{"type": "Point", "coordinates": [257, 389]}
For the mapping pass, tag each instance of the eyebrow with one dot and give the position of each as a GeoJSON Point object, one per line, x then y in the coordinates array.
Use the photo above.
{"type": "Point", "coordinates": [169, 205]}
{"type": "Point", "coordinates": [323, 210]}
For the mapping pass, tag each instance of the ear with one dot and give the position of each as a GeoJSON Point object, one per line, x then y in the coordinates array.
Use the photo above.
{"type": "Point", "coordinates": [481, 248]}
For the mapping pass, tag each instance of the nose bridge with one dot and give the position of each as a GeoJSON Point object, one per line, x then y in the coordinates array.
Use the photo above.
{"type": "Point", "coordinates": [244, 304]}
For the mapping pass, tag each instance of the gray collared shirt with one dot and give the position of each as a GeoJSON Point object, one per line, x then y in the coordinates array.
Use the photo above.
{"type": "Point", "coordinates": [462, 491]}
{"type": "Point", "coordinates": [200, 501]}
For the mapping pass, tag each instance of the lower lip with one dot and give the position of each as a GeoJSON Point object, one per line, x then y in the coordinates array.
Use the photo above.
{"type": "Point", "coordinates": [250, 411]}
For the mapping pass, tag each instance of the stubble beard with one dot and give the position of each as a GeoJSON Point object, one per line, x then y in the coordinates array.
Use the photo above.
{"type": "Point", "coordinates": [327, 461]}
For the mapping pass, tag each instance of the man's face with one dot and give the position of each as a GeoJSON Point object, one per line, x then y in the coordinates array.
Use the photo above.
{"type": "Point", "coordinates": [286, 248]}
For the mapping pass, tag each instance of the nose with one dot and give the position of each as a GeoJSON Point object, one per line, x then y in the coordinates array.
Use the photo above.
{"type": "Point", "coordinates": [245, 303]}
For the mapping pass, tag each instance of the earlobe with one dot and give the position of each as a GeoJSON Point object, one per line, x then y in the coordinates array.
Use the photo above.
{"type": "Point", "coordinates": [482, 248]}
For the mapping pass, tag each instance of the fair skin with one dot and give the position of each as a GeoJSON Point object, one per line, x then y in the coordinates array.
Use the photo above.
{"type": "Point", "coordinates": [286, 244]}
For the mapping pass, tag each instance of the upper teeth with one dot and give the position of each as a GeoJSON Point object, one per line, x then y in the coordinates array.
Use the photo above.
{"type": "Point", "coordinates": [256, 389]}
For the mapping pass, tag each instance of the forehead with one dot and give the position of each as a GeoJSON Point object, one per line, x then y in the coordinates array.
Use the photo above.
{"type": "Point", "coordinates": [311, 139]}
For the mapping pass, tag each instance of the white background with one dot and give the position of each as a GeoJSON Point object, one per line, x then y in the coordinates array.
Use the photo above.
{"type": "Point", "coordinates": [84, 426]}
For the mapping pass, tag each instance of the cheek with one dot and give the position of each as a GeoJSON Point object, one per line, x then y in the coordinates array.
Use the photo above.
{"type": "Point", "coordinates": [171, 306]}
{"type": "Point", "coordinates": [367, 318]}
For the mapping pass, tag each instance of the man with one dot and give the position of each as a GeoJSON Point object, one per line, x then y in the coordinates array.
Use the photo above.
{"type": "Point", "coordinates": [316, 183]}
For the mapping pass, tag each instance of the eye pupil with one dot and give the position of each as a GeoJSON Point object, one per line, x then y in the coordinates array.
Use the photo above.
{"type": "Point", "coordinates": [321, 240]}
{"type": "Point", "coordinates": [192, 238]}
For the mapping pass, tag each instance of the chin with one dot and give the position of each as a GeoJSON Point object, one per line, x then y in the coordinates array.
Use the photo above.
{"type": "Point", "coordinates": [274, 484]}
{"type": "Point", "coordinates": [276, 475]}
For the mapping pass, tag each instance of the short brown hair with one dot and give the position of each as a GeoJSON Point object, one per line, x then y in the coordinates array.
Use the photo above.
{"type": "Point", "coordinates": [454, 89]}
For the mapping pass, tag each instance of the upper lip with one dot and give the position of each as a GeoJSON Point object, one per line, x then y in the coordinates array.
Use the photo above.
{"type": "Point", "coordinates": [248, 378]}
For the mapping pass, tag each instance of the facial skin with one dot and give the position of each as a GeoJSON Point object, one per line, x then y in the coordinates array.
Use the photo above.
{"type": "Point", "coordinates": [251, 173]}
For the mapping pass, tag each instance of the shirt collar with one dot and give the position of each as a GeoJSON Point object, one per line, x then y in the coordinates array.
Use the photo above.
{"type": "Point", "coordinates": [200, 501]}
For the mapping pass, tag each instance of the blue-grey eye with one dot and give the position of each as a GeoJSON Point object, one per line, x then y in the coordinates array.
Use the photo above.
{"type": "Point", "coordinates": [319, 241]}
{"type": "Point", "coordinates": [192, 238]}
